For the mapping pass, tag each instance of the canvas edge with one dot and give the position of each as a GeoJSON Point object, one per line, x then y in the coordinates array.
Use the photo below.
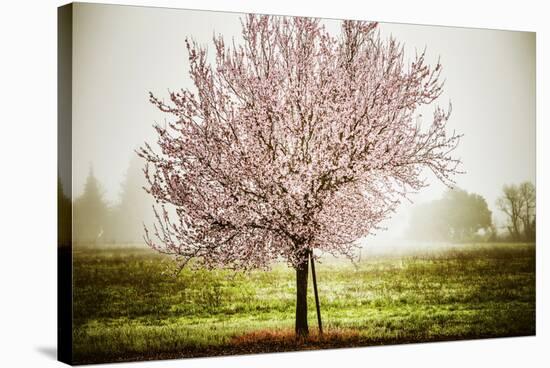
{"type": "Point", "coordinates": [64, 175]}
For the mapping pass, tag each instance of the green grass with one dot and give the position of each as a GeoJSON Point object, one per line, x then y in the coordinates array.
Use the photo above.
{"type": "Point", "coordinates": [128, 306]}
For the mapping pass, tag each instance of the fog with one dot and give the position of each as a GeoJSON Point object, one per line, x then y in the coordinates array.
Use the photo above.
{"type": "Point", "coordinates": [121, 53]}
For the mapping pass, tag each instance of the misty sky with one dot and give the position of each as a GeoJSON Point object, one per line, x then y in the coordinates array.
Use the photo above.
{"type": "Point", "coordinates": [121, 53]}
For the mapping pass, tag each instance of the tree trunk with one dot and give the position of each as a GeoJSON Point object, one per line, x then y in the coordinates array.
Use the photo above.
{"type": "Point", "coordinates": [301, 300]}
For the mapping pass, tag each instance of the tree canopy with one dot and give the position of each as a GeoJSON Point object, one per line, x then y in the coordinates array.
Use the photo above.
{"type": "Point", "coordinates": [294, 140]}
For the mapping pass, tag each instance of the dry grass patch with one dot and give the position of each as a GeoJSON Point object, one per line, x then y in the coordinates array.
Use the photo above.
{"type": "Point", "coordinates": [286, 338]}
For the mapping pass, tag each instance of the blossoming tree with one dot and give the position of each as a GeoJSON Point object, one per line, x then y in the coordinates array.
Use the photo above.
{"type": "Point", "coordinates": [293, 141]}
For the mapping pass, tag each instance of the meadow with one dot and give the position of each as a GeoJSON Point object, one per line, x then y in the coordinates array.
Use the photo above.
{"type": "Point", "coordinates": [129, 306]}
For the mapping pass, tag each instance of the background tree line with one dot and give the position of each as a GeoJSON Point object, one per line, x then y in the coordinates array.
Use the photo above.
{"type": "Point", "coordinates": [460, 216]}
{"type": "Point", "coordinates": [98, 221]}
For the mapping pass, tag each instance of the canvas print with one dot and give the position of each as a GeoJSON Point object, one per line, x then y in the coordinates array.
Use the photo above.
{"type": "Point", "coordinates": [245, 183]}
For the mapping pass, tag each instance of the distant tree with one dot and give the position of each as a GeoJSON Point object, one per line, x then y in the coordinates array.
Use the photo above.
{"type": "Point", "coordinates": [133, 208]}
{"type": "Point", "coordinates": [466, 214]}
{"type": "Point", "coordinates": [457, 217]}
{"type": "Point", "coordinates": [90, 212]}
{"type": "Point", "coordinates": [293, 141]}
{"type": "Point", "coordinates": [518, 202]}
{"type": "Point", "coordinates": [510, 203]}
{"type": "Point", "coordinates": [527, 215]}
{"type": "Point", "coordinates": [64, 216]}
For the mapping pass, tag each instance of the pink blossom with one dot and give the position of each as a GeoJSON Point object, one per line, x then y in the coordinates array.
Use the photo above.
{"type": "Point", "coordinates": [295, 140]}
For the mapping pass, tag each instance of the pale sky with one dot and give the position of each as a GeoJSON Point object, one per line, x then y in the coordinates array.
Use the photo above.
{"type": "Point", "coordinates": [120, 53]}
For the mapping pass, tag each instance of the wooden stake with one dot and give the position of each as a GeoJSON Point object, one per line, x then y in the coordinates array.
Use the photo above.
{"type": "Point", "coordinates": [316, 293]}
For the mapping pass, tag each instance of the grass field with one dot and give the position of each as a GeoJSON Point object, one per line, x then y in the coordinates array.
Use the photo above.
{"type": "Point", "coordinates": [127, 307]}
